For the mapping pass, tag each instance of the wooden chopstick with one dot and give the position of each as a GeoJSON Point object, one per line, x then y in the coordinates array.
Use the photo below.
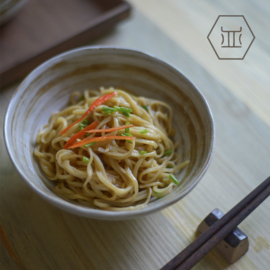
{"type": "Point", "coordinates": [219, 230]}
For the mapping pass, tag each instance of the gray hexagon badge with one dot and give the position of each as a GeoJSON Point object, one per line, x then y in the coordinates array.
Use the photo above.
{"type": "Point", "coordinates": [231, 37]}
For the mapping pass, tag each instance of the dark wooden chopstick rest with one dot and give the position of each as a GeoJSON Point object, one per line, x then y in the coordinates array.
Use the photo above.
{"type": "Point", "coordinates": [194, 252]}
{"type": "Point", "coordinates": [234, 246]}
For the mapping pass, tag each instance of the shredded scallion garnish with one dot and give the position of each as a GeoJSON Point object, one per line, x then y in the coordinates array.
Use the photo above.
{"type": "Point", "coordinates": [124, 109]}
{"type": "Point", "coordinates": [143, 131]}
{"type": "Point", "coordinates": [127, 129]}
{"type": "Point", "coordinates": [168, 152]}
{"type": "Point", "coordinates": [172, 177]}
{"type": "Point", "coordinates": [169, 166]}
{"type": "Point", "coordinates": [86, 122]}
{"type": "Point", "coordinates": [85, 159]}
{"type": "Point", "coordinates": [143, 152]}
{"type": "Point", "coordinates": [90, 144]}
{"type": "Point", "coordinates": [82, 126]}
{"type": "Point", "coordinates": [145, 107]}
{"type": "Point", "coordinates": [108, 110]}
{"type": "Point", "coordinates": [128, 135]}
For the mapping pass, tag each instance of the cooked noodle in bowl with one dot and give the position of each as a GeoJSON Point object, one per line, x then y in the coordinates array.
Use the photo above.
{"type": "Point", "coordinates": [110, 150]}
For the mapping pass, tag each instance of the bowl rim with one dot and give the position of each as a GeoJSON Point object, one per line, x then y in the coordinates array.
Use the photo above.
{"type": "Point", "coordinates": [97, 213]}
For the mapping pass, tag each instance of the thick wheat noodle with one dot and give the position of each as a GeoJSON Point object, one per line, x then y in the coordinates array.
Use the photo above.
{"type": "Point", "coordinates": [118, 175]}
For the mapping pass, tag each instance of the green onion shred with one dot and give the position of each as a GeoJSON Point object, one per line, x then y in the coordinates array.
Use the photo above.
{"type": "Point", "coordinates": [125, 111]}
{"type": "Point", "coordinates": [85, 159]}
{"type": "Point", "coordinates": [108, 110]}
{"type": "Point", "coordinates": [172, 177]}
{"type": "Point", "coordinates": [86, 122]}
{"type": "Point", "coordinates": [168, 152]}
{"type": "Point", "coordinates": [127, 129]}
{"type": "Point", "coordinates": [90, 144]}
{"type": "Point", "coordinates": [170, 166]}
{"type": "Point", "coordinates": [82, 126]}
{"type": "Point", "coordinates": [145, 107]}
{"type": "Point", "coordinates": [126, 134]}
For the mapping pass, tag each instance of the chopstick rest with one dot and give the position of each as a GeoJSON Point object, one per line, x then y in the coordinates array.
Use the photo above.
{"type": "Point", "coordinates": [234, 246]}
{"type": "Point", "coordinates": [219, 230]}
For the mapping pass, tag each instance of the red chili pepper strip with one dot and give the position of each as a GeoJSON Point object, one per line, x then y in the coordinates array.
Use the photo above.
{"type": "Point", "coordinates": [101, 139]}
{"type": "Point", "coordinates": [96, 103]}
{"type": "Point", "coordinates": [80, 134]}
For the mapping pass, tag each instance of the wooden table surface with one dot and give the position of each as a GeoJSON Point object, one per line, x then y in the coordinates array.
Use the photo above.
{"type": "Point", "coordinates": [36, 235]}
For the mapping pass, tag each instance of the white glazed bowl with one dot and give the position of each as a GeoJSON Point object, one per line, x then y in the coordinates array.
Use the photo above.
{"type": "Point", "coordinates": [47, 89]}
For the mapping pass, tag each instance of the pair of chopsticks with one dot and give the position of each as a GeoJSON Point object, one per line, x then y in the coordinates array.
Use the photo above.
{"type": "Point", "coordinates": [193, 253]}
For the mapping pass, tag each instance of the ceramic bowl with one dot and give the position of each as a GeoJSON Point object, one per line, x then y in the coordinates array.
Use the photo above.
{"type": "Point", "coordinates": [47, 89]}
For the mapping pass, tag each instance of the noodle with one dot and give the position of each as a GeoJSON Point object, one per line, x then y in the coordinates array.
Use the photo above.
{"type": "Point", "coordinates": [115, 174]}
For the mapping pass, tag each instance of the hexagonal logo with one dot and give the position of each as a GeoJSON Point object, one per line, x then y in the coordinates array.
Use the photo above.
{"type": "Point", "coordinates": [231, 37]}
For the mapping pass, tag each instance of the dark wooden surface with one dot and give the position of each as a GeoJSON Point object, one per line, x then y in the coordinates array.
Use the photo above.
{"type": "Point", "coordinates": [44, 28]}
{"type": "Point", "coordinates": [193, 253]}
